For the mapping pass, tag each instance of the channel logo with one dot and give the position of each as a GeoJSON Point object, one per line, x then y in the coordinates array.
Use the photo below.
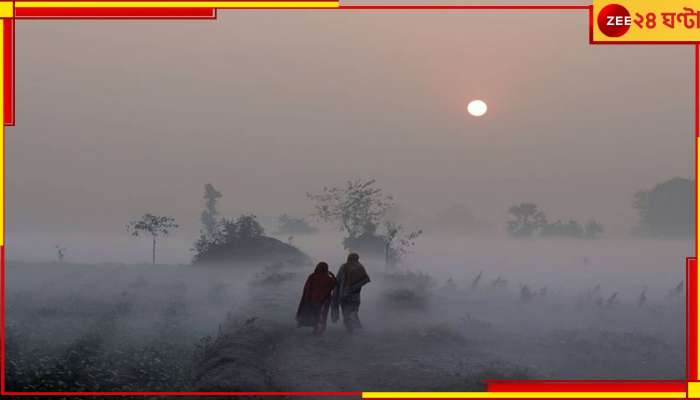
{"type": "Point", "coordinates": [614, 20]}
{"type": "Point", "coordinates": [648, 21]}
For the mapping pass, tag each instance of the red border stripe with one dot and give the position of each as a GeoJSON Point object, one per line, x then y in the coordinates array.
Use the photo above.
{"type": "Point", "coordinates": [116, 13]}
{"type": "Point", "coordinates": [9, 72]}
{"type": "Point", "coordinates": [586, 386]}
{"type": "Point", "coordinates": [691, 319]}
{"type": "Point", "coordinates": [465, 7]}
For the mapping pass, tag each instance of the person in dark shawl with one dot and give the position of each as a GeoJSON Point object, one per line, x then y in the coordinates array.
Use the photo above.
{"type": "Point", "coordinates": [316, 299]}
{"type": "Point", "coordinates": [352, 276]}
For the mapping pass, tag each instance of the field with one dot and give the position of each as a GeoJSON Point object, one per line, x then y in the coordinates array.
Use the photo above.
{"type": "Point", "coordinates": [179, 327]}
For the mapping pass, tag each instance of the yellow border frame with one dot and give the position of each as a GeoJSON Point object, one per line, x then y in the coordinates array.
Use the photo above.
{"type": "Point", "coordinates": [7, 11]}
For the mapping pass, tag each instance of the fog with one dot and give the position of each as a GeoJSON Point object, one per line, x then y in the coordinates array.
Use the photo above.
{"type": "Point", "coordinates": [143, 327]}
{"type": "Point", "coordinates": [115, 120]}
{"type": "Point", "coordinates": [119, 119]}
{"type": "Point", "coordinates": [565, 309]}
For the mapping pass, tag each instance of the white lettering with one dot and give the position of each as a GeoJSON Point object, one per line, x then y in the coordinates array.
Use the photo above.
{"type": "Point", "coordinates": [619, 20]}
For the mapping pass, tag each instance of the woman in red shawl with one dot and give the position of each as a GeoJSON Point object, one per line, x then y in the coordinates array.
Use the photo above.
{"type": "Point", "coordinates": [315, 302]}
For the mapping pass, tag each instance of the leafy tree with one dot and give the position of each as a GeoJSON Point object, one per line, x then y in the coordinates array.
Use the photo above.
{"type": "Point", "coordinates": [527, 220]}
{"type": "Point", "coordinates": [202, 246]}
{"type": "Point", "coordinates": [153, 225]}
{"type": "Point", "coordinates": [228, 231]}
{"type": "Point", "coordinates": [243, 239]}
{"type": "Point", "coordinates": [244, 227]}
{"type": "Point", "coordinates": [667, 210]}
{"type": "Point", "coordinates": [355, 208]}
{"type": "Point", "coordinates": [210, 214]}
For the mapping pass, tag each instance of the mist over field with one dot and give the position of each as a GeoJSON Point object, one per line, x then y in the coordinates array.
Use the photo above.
{"type": "Point", "coordinates": [182, 327]}
{"type": "Point", "coordinates": [171, 186]}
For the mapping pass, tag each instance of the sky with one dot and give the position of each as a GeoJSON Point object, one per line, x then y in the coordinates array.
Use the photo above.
{"type": "Point", "coordinates": [119, 118]}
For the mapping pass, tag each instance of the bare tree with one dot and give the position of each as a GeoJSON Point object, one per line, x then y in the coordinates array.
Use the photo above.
{"type": "Point", "coordinates": [60, 253]}
{"type": "Point", "coordinates": [676, 292]}
{"type": "Point", "coordinates": [153, 225]}
{"type": "Point", "coordinates": [642, 298]}
{"type": "Point", "coordinates": [475, 282]}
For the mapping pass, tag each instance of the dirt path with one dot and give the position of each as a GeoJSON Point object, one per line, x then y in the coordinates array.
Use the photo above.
{"type": "Point", "coordinates": [379, 357]}
{"type": "Point", "coordinates": [371, 360]}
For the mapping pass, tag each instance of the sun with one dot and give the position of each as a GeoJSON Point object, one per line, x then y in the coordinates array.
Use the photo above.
{"type": "Point", "coordinates": [477, 108]}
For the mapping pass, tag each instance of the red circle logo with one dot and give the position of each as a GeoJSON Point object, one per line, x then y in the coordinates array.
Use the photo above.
{"type": "Point", "coordinates": [614, 20]}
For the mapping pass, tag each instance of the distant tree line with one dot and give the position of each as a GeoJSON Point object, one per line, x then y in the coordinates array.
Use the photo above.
{"type": "Point", "coordinates": [360, 209]}
{"type": "Point", "coordinates": [665, 211]}
{"type": "Point", "coordinates": [528, 220]}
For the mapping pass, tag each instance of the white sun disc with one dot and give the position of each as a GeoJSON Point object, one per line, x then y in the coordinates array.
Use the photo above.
{"type": "Point", "coordinates": [477, 108]}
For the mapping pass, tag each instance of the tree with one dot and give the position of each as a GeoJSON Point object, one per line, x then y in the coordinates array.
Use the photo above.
{"type": "Point", "coordinates": [153, 225]}
{"type": "Point", "coordinates": [228, 231]}
{"type": "Point", "coordinates": [593, 230]}
{"type": "Point", "coordinates": [397, 243]}
{"type": "Point", "coordinates": [528, 219]}
{"type": "Point", "coordinates": [667, 210]}
{"type": "Point", "coordinates": [641, 204]}
{"type": "Point", "coordinates": [244, 227]}
{"type": "Point", "coordinates": [243, 239]}
{"type": "Point", "coordinates": [354, 208]}
{"type": "Point", "coordinates": [202, 246]}
{"type": "Point", "coordinates": [210, 214]}
{"type": "Point", "coordinates": [368, 242]}
{"type": "Point", "coordinates": [60, 253]}
{"type": "Point", "coordinates": [571, 229]}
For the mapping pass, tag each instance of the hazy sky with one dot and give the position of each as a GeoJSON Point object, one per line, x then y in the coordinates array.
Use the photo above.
{"type": "Point", "coordinates": [119, 118]}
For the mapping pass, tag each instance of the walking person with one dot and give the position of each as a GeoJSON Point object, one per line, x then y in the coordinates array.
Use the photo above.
{"type": "Point", "coordinates": [316, 299]}
{"type": "Point", "coordinates": [352, 276]}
